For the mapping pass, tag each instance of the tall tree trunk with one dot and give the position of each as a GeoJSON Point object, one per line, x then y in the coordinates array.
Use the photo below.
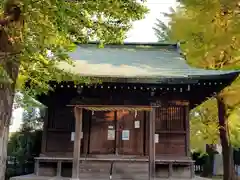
{"type": "Point", "coordinates": [3, 151]}
{"type": "Point", "coordinates": [227, 150]}
{"type": "Point", "coordinates": [6, 102]}
{"type": "Point", "coordinates": [9, 62]}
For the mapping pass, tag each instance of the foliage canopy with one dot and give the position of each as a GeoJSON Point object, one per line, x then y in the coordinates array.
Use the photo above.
{"type": "Point", "coordinates": [209, 30]}
{"type": "Point", "coordinates": [24, 144]}
{"type": "Point", "coordinates": [48, 29]}
{"type": "Point", "coordinates": [204, 126]}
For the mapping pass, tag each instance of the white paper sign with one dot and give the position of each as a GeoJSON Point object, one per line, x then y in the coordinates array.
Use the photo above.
{"type": "Point", "coordinates": [110, 127]}
{"type": "Point", "coordinates": [137, 124]}
{"type": "Point", "coordinates": [125, 135]}
{"type": "Point", "coordinates": [111, 134]}
{"type": "Point", "coordinates": [156, 138]}
{"type": "Point", "coordinates": [73, 136]}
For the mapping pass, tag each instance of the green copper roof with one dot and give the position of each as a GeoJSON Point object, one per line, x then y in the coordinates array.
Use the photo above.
{"type": "Point", "coordinates": [133, 60]}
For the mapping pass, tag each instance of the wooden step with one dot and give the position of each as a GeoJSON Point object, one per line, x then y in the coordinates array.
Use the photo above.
{"type": "Point", "coordinates": [114, 176]}
{"type": "Point", "coordinates": [118, 167]}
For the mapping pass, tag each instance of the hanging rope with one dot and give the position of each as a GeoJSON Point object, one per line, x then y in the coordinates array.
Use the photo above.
{"type": "Point", "coordinates": [111, 108]}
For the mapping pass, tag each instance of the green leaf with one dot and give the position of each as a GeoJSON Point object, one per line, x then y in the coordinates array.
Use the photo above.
{"type": "Point", "coordinates": [53, 26]}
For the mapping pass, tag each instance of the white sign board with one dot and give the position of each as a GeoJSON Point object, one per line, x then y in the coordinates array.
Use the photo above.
{"type": "Point", "coordinates": [111, 134]}
{"type": "Point", "coordinates": [73, 136]}
{"type": "Point", "coordinates": [156, 138]}
{"type": "Point", "coordinates": [137, 124]}
{"type": "Point", "coordinates": [125, 135]}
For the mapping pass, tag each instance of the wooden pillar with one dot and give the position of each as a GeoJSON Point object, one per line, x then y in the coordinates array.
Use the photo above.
{"type": "Point", "coordinates": [77, 143]}
{"type": "Point", "coordinates": [187, 121]}
{"type": "Point", "coordinates": [45, 126]}
{"type": "Point", "coordinates": [59, 168]}
{"type": "Point", "coordinates": [151, 171]}
{"type": "Point", "coordinates": [36, 167]}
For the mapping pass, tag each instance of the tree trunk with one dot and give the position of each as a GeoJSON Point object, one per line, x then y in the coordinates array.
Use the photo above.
{"type": "Point", "coordinates": [227, 150]}
{"type": "Point", "coordinates": [6, 103]}
{"type": "Point", "coordinates": [3, 151]}
{"type": "Point", "coordinates": [9, 61]}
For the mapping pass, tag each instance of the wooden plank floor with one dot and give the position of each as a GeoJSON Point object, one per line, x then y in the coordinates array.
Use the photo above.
{"type": "Point", "coordinates": [33, 177]}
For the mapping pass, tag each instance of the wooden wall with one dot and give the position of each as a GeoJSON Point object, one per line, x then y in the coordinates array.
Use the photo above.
{"type": "Point", "coordinates": [171, 129]}
{"type": "Point", "coordinates": [59, 125]}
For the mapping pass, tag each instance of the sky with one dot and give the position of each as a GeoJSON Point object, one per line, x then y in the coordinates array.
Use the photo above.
{"type": "Point", "coordinates": [142, 31]}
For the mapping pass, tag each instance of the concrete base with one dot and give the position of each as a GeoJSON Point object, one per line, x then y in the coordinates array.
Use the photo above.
{"type": "Point", "coordinates": [34, 177]}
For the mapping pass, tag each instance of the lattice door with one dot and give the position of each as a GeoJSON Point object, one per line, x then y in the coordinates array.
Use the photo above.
{"type": "Point", "coordinates": [171, 130]}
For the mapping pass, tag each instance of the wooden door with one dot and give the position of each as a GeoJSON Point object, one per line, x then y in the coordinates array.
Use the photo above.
{"type": "Point", "coordinates": [131, 132]}
{"type": "Point", "coordinates": [102, 133]}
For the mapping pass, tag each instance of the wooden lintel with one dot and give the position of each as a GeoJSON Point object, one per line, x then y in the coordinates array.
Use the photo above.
{"type": "Point", "coordinates": [117, 106]}
{"type": "Point", "coordinates": [151, 173]}
{"type": "Point", "coordinates": [77, 143]}
{"type": "Point", "coordinates": [180, 102]}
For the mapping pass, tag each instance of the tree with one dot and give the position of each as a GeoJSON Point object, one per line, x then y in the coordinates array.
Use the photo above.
{"type": "Point", "coordinates": [25, 144]}
{"type": "Point", "coordinates": [32, 120]}
{"type": "Point", "coordinates": [36, 35]}
{"type": "Point", "coordinates": [163, 29]}
{"type": "Point", "coordinates": [212, 40]}
{"type": "Point", "coordinates": [204, 126]}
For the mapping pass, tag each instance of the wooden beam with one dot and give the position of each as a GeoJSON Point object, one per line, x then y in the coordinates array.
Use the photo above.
{"type": "Point", "coordinates": [77, 143]}
{"type": "Point", "coordinates": [151, 173]}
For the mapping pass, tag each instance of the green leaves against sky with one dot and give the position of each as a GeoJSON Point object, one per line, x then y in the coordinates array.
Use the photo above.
{"type": "Point", "coordinates": [51, 26]}
{"type": "Point", "coordinates": [211, 36]}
